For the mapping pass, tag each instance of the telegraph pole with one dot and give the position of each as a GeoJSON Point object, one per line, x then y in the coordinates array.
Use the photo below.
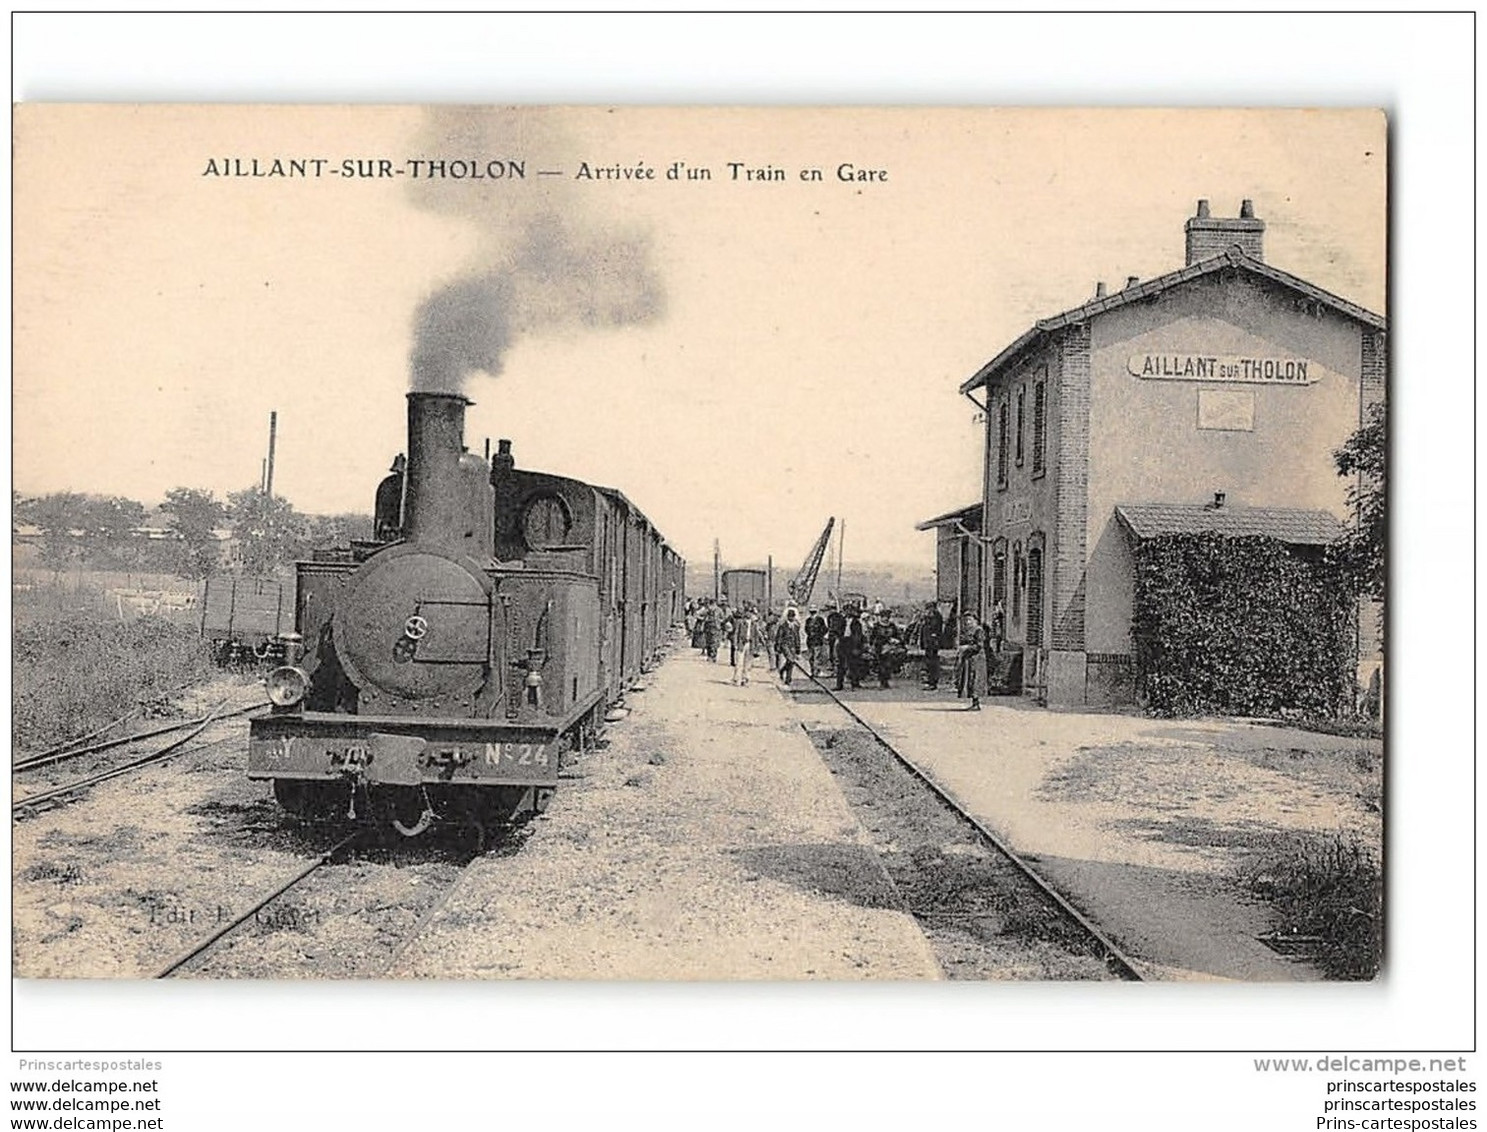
{"type": "Point", "coordinates": [717, 571]}
{"type": "Point", "coordinates": [841, 538]}
{"type": "Point", "coordinates": [268, 475]}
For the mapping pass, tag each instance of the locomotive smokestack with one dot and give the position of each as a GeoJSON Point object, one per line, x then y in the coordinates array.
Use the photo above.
{"type": "Point", "coordinates": [434, 510]}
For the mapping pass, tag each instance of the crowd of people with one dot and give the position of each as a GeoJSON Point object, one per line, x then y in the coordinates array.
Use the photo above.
{"type": "Point", "coordinates": [848, 642]}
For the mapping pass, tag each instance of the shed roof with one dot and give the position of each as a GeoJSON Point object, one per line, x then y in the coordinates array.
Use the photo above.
{"type": "Point", "coordinates": [1288, 524]}
{"type": "Point", "coordinates": [1233, 258]}
{"type": "Point", "coordinates": [966, 517]}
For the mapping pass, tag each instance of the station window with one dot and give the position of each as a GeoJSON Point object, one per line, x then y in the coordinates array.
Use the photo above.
{"type": "Point", "coordinates": [1040, 427]}
{"type": "Point", "coordinates": [1035, 597]}
{"type": "Point", "coordinates": [999, 574]}
{"type": "Point", "coordinates": [1021, 415]}
{"type": "Point", "coordinates": [1002, 453]}
{"type": "Point", "coordinates": [1019, 567]}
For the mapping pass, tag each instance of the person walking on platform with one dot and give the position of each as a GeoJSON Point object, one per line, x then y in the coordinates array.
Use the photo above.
{"type": "Point", "coordinates": [741, 640]}
{"type": "Point", "coordinates": [881, 642]}
{"type": "Point", "coordinates": [850, 650]}
{"type": "Point", "coordinates": [699, 625]}
{"type": "Point", "coordinates": [836, 626]}
{"type": "Point", "coordinates": [763, 637]}
{"type": "Point", "coordinates": [931, 630]}
{"type": "Point", "coordinates": [787, 644]}
{"type": "Point", "coordinates": [815, 640]}
{"type": "Point", "coordinates": [728, 617]}
{"type": "Point", "coordinates": [971, 678]}
{"type": "Point", "coordinates": [712, 631]}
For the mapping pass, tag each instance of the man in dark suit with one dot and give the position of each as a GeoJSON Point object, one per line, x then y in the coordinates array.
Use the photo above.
{"type": "Point", "coordinates": [931, 631]}
{"type": "Point", "coordinates": [388, 512]}
{"type": "Point", "coordinates": [850, 649]}
{"type": "Point", "coordinates": [815, 638]}
{"type": "Point", "coordinates": [836, 625]}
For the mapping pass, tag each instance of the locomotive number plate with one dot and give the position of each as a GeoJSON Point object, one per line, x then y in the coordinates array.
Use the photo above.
{"type": "Point", "coordinates": [516, 754]}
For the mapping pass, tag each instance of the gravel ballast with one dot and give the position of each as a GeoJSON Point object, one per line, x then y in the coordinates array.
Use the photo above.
{"type": "Point", "coordinates": [706, 841]}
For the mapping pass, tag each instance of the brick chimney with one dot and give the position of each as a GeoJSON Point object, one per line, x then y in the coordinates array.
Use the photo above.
{"type": "Point", "coordinates": [1209, 236]}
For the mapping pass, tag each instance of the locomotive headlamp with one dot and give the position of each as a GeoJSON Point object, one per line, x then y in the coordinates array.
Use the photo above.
{"type": "Point", "coordinates": [287, 686]}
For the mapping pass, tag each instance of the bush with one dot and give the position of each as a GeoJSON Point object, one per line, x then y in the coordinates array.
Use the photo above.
{"type": "Point", "coordinates": [1330, 888]}
{"type": "Point", "coordinates": [1240, 626]}
{"type": "Point", "coordinates": [75, 673]}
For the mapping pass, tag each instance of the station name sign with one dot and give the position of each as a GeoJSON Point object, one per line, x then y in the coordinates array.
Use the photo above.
{"type": "Point", "coordinates": [1221, 367]}
{"type": "Point", "coordinates": [1017, 511]}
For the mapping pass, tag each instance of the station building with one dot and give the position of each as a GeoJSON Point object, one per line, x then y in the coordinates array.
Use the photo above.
{"type": "Point", "coordinates": [957, 557]}
{"type": "Point", "coordinates": [1209, 398]}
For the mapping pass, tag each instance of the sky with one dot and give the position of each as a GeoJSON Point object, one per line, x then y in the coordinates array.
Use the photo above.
{"type": "Point", "coordinates": [743, 358]}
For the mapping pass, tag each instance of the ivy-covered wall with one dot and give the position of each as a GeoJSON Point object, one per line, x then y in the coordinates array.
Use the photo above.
{"type": "Point", "coordinates": [1240, 626]}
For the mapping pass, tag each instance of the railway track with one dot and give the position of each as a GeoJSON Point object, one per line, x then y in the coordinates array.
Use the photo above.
{"type": "Point", "coordinates": [1115, 960]}
{"type": "Point", "coordinates": [55, 794]}
{"type": "Point", "coordinates": [71, 750]}
{"type": "Point", "coordinates": [202, 947]}
{"type": "Point", "coordinates": [357, 924]}
{"type": "Point", "coordinates": [218, 955]}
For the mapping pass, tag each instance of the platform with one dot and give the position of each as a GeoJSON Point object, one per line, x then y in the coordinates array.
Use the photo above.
{"type": "Point", "coordinates": [708, 841]}
{"type": "Point", "coordinates": [1138, 822]}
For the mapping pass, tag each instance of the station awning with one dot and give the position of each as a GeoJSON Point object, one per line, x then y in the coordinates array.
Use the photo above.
{"type": "Point", "coordinates": [968, 517]}
{"type": "Point", "coordinates": [1287, 524]}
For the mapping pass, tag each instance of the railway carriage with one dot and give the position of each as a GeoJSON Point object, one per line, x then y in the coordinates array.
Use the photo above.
{"type": "Point", "coordinates": [447, 668]}
{"type": "Point", "coordinates": [745, 587]}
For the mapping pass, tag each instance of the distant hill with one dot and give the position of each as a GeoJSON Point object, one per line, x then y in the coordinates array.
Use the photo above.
{"type": "Point", "coordinates": [894, 583]}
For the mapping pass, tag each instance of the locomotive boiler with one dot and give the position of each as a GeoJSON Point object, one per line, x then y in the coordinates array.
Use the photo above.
{"type": "Point", "coordinates": [448, 666]}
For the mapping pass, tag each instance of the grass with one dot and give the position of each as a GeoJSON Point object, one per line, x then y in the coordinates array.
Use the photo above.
{"type": "Point", "coordinates": [1326, 887]}
{"type": "Point", "coordinates": [1350, 726]}
{"type": "Point", "coordinates": [75, 671]}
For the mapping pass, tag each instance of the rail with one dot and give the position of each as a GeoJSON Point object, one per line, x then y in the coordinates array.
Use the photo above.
{"type": "Point", "coordinates": [1114, 957]}
{"type": "Point", "coordinates": [210, 941]}
{"type": "Point", "coordinates": [114, 772]}
{"type": "Point", "coordinates": [66, 751]}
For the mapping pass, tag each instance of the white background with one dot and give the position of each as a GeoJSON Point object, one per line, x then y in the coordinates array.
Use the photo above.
{"type": "Point", "coordinates": [1420, 69]}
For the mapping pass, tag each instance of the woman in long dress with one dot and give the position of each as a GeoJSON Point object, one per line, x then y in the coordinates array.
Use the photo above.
{"type": "Point", "coordinates": [972, 661]}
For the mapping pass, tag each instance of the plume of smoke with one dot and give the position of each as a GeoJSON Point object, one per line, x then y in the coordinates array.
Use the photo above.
{"type": "Point", "coordinates": [545, 260]}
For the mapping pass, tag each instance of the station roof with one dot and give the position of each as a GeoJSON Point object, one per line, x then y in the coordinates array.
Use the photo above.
{"type": "Point", "coordinates": [1290, 525]}
{"type": "Point", "coordinates": [965, 517]}
{"type": "Point", "coordinates": [1233, 258]}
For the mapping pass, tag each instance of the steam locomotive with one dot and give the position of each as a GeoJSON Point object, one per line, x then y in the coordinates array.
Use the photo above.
{"type": "Point", "coordinates": [440, 673]}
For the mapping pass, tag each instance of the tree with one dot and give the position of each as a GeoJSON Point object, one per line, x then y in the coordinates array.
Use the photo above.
{"type": "Point", "coordinates": [1363, 550]}
{"type": "Point", "coordinates": [58, 515]}
{"type": "Point", "coordinates": [266, 527]}
{"type": "Point", "coordinates": [195, 515]}
{"type": "Point", "coordinates": [320, 531]}
{"type": "Point", "coordinates": [109, 522]}
{"type": "Point", "coordinates": [95, 529]}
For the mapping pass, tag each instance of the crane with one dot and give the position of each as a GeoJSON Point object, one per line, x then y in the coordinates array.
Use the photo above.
{"type": "Point", "coordinates": [804, 583]}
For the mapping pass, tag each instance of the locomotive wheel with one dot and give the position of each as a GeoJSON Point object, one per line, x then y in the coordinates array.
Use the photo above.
{"type": "Point", "coordinates": [313, 801]}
